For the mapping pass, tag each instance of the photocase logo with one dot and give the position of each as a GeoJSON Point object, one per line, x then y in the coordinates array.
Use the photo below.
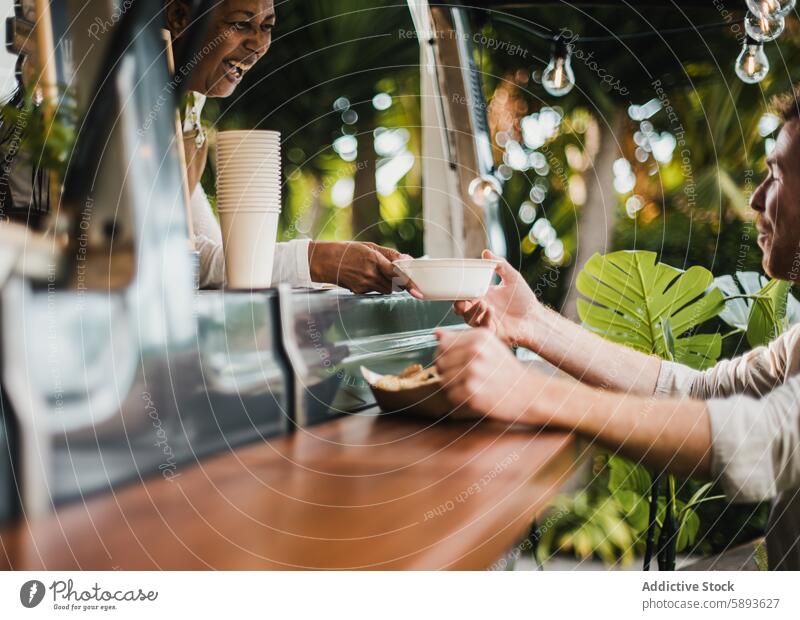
{"type": "Point", "coordinates": [31, 593]}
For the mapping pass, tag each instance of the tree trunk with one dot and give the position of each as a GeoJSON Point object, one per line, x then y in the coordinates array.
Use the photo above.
{"type": "Point", "coordinates": [596, 223]}
{"type": "Point", "coordinates": [366, 213]}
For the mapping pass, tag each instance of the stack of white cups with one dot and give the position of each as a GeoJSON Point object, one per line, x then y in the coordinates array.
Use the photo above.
{"type": "Point", "coordinates": [249, 204]}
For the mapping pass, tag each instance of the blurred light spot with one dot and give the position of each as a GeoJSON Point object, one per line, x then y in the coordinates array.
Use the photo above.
{"type": "Point", "coordinates": [390, 171]}
{"type": "Point", "coordinates": [527, 212]}
{"type": "Point", "coordinates": [767, 124]}
{"type": "Point", "coordinates": [555, 251]}
{"type": "Point", "coordinates": [515, 156]}
{"type": "Point", "coordinates": [577, 190]}
{"type": "Point", "coordinates": [576, 158]}
{"type": "Point", "coordinates": [505, 172]}
{"type": "Point", "coordinates": [390, 142]}
{"type": "Point", "coordinates": [342, 192]}
{"type": "Point", "coordinates": [645, 111]}
{"type": "Point", "coordinates": [633, 205]}
{"type": "Point", "coordinates": [538, 194]}
{"type": "Point", "coordinates": [624, 178]}
{"type": "Point", "coordinates": [349, 117]}
{"type": "Point", "coordinates": [537, 160]}
{"type": "Point", "coordinates": [345, 144]}
{"type": "Point", "coordinates": [346, 147]}
{"type": "Point", "coordinates": [382, 101]}
{"type": "Point", "coordinates": [663, 147]}
{"type": "Point", "coordinates": [539, 127]}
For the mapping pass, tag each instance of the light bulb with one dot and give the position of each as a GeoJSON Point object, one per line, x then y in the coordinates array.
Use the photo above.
{"type": "Point", "coordinates": [763, 27]}
{"type": "Point", "coordinates": [752, 64]}
{"type": "Point", "coordinates": [485, 190]}
{"type": "Point", "coordinates": [771, 8]}
{"type": "Point", "coordinates": [558, 78]}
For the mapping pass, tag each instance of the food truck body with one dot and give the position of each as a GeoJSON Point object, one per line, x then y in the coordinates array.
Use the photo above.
{"type": "Point", "coordinates": [114, 366]}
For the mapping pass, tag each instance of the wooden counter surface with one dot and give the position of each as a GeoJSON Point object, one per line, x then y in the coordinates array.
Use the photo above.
{"type": "Point", "coordinates": [360, 492]}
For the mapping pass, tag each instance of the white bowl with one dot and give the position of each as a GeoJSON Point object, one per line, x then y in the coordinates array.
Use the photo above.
{"type": "Point", "coordinates": [448, 279]}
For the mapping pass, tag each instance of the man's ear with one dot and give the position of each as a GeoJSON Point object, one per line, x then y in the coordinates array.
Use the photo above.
{"type": "Point", "coordinates": [176, 13]}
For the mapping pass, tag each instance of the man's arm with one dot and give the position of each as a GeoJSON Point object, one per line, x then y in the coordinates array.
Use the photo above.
{"type": "Point", "coordinates": [590, 358]}
{"type": "Point", "coordinates": [751, 445]}
{"type": "Point", "coordinates": [512, 311]}
{"type": "Point", "coordinates": [479, 372]}
{"type": "Point", "coordinates": [664, 434]}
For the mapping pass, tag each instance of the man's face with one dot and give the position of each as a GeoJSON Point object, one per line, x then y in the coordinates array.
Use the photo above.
{"type": "Point", "coordinates": [777, 202]}
{"type": "Point", "coordinates": [239, 34]}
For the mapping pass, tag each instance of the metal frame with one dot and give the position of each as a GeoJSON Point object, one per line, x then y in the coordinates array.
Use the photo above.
{"type": "Point", "coordinates": [456, 142]}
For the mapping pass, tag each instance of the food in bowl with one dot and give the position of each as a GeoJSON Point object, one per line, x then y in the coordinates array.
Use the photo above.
{"type": "Point", "coordinates": [416, 390]}
{"type": "Point", "coordinates": [412, 377]}
{"type": "Point", "coordinates": [448, 279]}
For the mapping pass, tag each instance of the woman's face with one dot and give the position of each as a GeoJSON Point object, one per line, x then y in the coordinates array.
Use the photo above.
{"type": "Point", "coordinates": [239, 34]}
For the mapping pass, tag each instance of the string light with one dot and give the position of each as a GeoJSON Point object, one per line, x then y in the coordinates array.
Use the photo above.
{"type": "Point", "coordinates": [558, 78]}
{"type": "Point", "coordinates": [771, 8]}
{"type": "Point", "coordinates": [763, 28]}
{"type": "Point", "coordinates": [765, 22]}
{"type": "Point", "coordinates": [752, 64]}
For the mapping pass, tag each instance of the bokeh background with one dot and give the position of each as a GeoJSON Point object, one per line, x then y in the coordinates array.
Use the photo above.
{"type": "Point", "coordinates": [341, 82]}
{"type": "Point", "coordinates": [660, 151]}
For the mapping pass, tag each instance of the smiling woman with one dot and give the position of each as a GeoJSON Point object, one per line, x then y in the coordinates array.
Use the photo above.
{"type": "Point", "coordinates": [239, 35]}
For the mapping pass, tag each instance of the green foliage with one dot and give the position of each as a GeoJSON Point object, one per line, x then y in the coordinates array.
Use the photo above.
{"type": "Point", "coordinates": [767, 318]}
{"type": "Point", "coordinates": [44, 143]}
{"type": "Point", "coordinates": [635, 300]}
{"type": "Point", "coordinates": [321, 52]}
{"type": "Point", "coordinates": [761, 556]}
{"type": "Point", "coordinates": [760, 307]}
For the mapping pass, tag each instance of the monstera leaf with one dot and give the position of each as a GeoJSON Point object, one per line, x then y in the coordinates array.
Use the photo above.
{"type": "Point", "coordinates": [740, 291]}
{"type": "Point", "coordinates": [761, 307]}
{"type": "Point", "coordinates": [633, 299]}
{"type": "Point", "coordinates": [767, 318]}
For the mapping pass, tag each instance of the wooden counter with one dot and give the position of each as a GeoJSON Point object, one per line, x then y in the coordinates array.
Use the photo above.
{"type": "Point", "coordinates": [360, 492]}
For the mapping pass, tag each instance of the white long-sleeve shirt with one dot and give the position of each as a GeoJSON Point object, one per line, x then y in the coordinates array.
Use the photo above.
{"type": "Point", "coordinates": [291, 258]}
{"type": "Point", "coordinates": [754, 409]}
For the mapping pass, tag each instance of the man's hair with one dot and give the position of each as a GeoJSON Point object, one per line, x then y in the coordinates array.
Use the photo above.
{"type": "Point", "coordinates": [787, 106]}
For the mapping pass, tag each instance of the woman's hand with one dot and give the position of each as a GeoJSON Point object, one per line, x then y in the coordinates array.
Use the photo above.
{"type": "Point", "coordinates": [360, 267]}
{"type": "Point", "coordinates": [480, 374]}
{"type": "Point", "coordinates": [507, 309]}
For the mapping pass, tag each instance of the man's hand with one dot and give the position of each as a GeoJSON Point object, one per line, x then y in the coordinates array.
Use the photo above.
{"type": "Point", "coordinates": [480, 374]}
{"type": "Point", "coordinates": [507, 309]}
{"type": "Point", "coordinates": [360, 267]}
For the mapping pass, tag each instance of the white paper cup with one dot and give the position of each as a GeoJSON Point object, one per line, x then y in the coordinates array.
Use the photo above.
{"type": "Point", "coordinates": [242, 166]}
{"type": "Point", "coordinates": [248, 239]}
{"type": "Point", "coordinates": [229, 199]}
{"type": "Point", "coordinates": [268, 153]}
{"type": "Point", "coordinates": [245, 190]}
{"type": "Point", "coordinates": [251, 133]}
{"type": "Point", "coordinates": [249, 204]}
{"type": "Point", "coordinates": [261, 181]}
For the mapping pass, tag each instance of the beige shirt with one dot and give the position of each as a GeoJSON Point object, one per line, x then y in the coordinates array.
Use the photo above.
{"type": "Point", "coordinates": [754, 409]}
